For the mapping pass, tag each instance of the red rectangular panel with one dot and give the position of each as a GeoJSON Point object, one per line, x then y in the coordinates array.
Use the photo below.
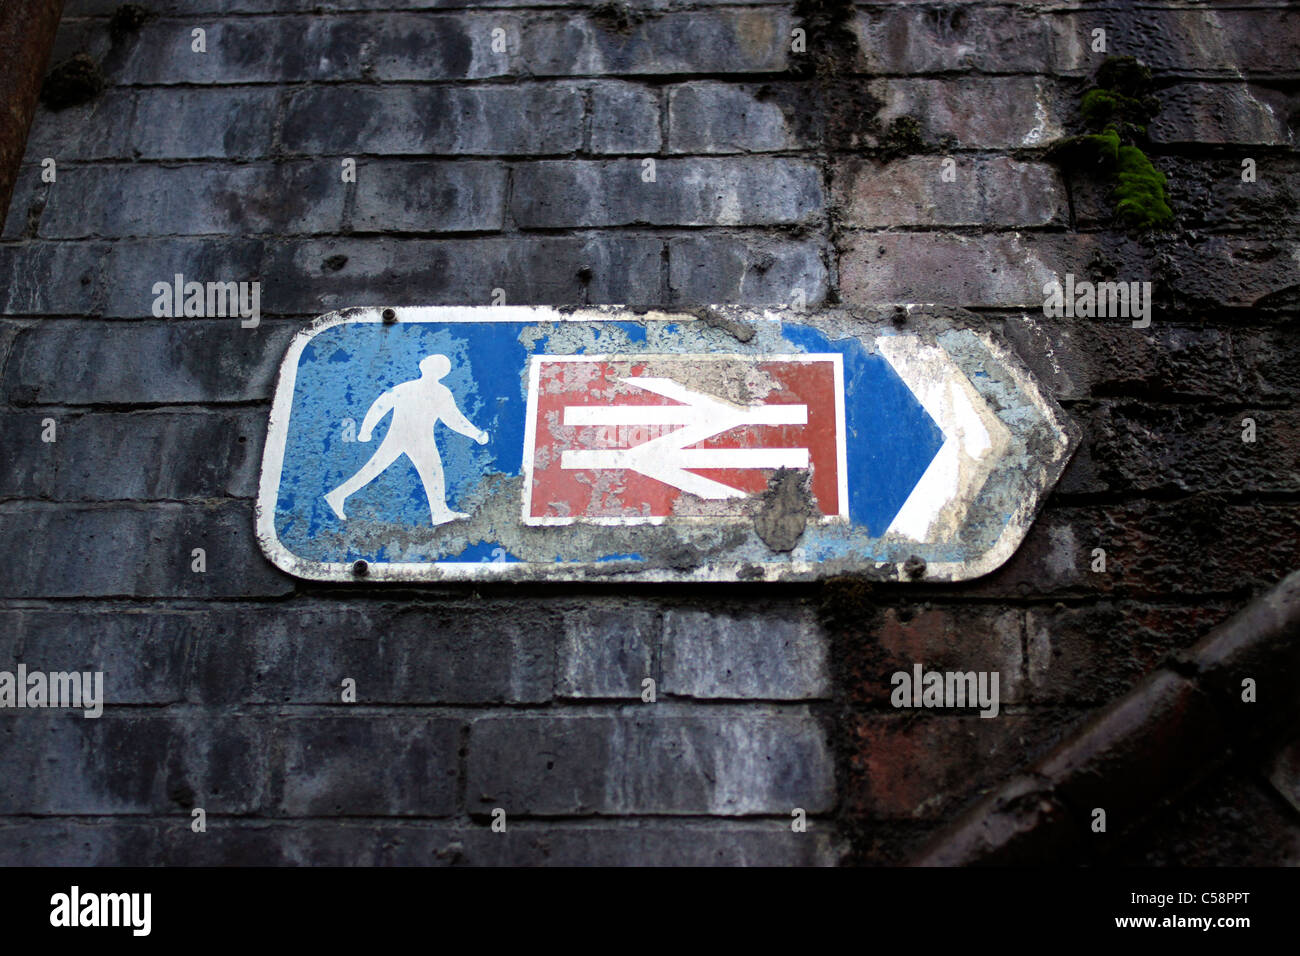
{"type": "Point", "coordinates": [652, 437]}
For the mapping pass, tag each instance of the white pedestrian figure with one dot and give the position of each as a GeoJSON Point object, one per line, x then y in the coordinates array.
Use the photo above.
{"type": "Point", "coordinates": [417, 407]}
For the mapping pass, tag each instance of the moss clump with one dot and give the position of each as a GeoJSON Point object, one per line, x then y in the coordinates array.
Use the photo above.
{"type": "Point", "coordinates": [1101, 149]}
{"type": "Point", "coordinates": [1140, 198]}
{"type": "Point", "coordinates": [1117, 110]}
{"type": "Point", "coordinates": [1106, 109]}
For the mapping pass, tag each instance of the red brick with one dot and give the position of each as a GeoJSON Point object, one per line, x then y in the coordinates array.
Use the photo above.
{"type": "Point", "coordinates": [944, 639]}
{"type": "Point", "coordinates": [925, 767]}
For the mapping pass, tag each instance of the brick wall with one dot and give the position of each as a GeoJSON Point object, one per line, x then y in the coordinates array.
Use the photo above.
{"type": "Point", "coordinates": [778, 176]}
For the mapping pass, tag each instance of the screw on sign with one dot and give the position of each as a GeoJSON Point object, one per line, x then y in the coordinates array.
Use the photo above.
{"type": "Point", "coordinates": [532, 443]}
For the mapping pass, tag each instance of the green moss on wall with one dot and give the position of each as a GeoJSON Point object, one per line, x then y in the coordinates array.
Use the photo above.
{"type": "Point", "coordinates": [1116, 111]}
{"type": "Point", "coordinates": [1140, 198]}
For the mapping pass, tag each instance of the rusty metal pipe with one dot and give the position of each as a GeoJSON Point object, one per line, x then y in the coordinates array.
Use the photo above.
{"type": "Point", "coordinates": [1179, 724]}
{"type": "Point", "coordinates": [27, 30]}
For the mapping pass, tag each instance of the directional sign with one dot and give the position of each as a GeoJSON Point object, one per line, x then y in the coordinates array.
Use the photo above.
{"type": "Point", "coordinates": [537, 443]}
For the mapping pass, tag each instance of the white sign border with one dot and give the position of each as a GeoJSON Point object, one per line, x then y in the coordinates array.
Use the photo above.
{"type": "Point", "coordinates": [1010, 539]}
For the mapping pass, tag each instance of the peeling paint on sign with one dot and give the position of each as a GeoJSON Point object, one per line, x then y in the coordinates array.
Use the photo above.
{"type": "Point", "coordinates": [465, 443]}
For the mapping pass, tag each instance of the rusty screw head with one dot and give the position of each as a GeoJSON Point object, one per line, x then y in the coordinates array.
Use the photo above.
{"type": "Point", "coordinates": [390, 316]}
{"type": "Point", "coordinates": [360, 568]}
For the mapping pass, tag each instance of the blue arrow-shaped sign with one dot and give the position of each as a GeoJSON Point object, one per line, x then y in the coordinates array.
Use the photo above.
{"type": "Point", "coordinates": [536, 443]}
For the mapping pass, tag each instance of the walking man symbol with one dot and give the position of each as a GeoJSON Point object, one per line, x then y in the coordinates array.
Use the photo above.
{"type": "Point", "coordinates": [417, 407]}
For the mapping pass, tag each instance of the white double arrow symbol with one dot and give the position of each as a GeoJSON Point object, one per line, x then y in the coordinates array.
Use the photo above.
{"type": "Point", "coordinates": [667, 458]}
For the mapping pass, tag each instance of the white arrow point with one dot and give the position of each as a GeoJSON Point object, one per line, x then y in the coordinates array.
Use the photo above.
{"type": "Point", "coordinates": [974, 439]}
